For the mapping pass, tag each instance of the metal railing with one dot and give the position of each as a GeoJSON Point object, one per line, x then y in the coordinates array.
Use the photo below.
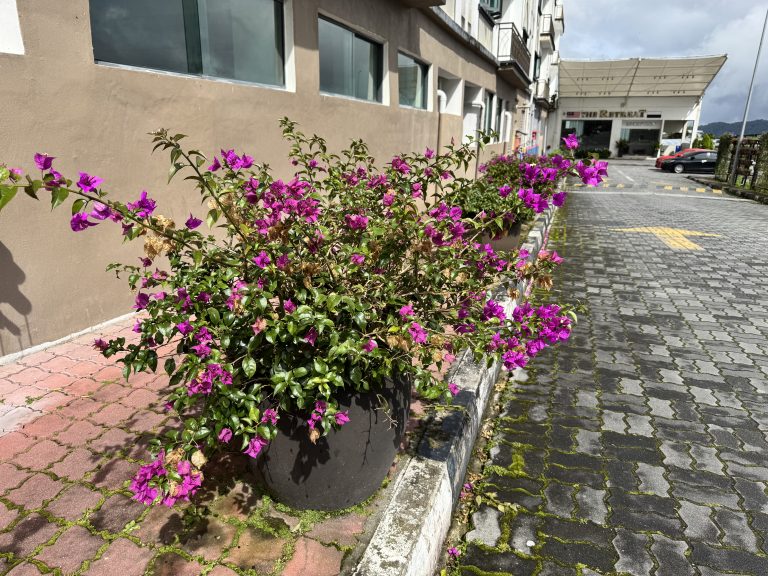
{"type": "Point", "coordinates": [511, 48]}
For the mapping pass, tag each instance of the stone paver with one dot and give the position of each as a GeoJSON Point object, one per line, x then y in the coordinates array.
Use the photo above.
{"type": "Point", "coordinates": [649, 448]}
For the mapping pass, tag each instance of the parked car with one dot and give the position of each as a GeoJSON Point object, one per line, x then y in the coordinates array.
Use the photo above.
{"type": "Point", "coordinates": [692, 162]}
{"type": "Point", "coordinates": [661, 159]}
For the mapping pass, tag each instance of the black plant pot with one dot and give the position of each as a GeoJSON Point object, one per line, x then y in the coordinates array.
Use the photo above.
{"type": "Point", "coordinates": [346, 466]}
{"type": "Point", "coordinates": [508, 241]}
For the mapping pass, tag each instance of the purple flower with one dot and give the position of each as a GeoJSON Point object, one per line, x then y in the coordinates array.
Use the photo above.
{"type": "Point", "coordinates": [100, 211]}
{"type": "Point", "coordinates": [357, 259]}
{"type": "Point", "coordinates": [388, 199]}
{"type": "Point", "coordinates": [225, 435]}
{"type": "Point", "coordinates": [289, 306]}
{"type": "Point", "coordinates": [192, 222]}
{"type": "Point", "coordinates": [215, 166]}
{"type": "Point", "coordinates": [429, 154]}
{"type": "Point", "coordinates": [88, 183]}
{"type": "Point", "coordinates": [571, 141]}
{"type": "Point", "coordinates": [505, 190]}
{"type": "Point", "coordinates": [341, 418]}
{"type": "Point", "coordinates": [418, 333]}
{"type": "Point", "coordinates": [142, 300]}
{"type": "Point", "coordinates": [79, 222]}
{"type": "Point", "coordinates": [370, 346]}
{"type": "Point", "coordinates": [493, 309]}
{"type": "Point", "coordinates": [356, 221]}
{"type": "Point", "coordinates": [255, 446]}
{"type": "Point", "coordinates": [558, 199]}
{"type": "Point", "coordinates": [100, 345]}
{"type": "Point", "coordinates": [143, 207]}
{"type": "Point", "coordinates": [453, 388]}
{"type": "Point", "coordinates": [270, 415]}
{"type": "Point", "coordinates": [262, 260]}
{"type": "Point", "coordinates": [406, 311]}
{"type": "Point", "coordinates": [185, 327]}
{"type": "Point", "coordinates": [246, 161]}
{"type": "Point", "coordinates": [454, 552]}
{"type": "Point", "coordinates": [311, 336]}
{"type": "Point", "coordinates": [140, 485]}
{"type": "Point", "coordinates": [282, 261]}
{"type": "Point", "coordinates": [43, 161]}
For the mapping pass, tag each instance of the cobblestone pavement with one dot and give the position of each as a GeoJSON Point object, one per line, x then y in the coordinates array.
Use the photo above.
{"type": "Point", "coordinates": [640, 446]}
{"type": "Point", "coordinates": [72, 435]}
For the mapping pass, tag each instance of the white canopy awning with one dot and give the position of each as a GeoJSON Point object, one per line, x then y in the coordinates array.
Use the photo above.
{"type": "Point", "coordinates": [638, 76]}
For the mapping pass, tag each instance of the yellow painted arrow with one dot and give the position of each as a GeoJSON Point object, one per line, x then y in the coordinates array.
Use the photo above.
{"type": "Point", "coordinates": [672, 237]}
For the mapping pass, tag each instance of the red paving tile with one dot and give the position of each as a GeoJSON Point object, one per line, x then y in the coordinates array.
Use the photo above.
{"type": "Point", "coordinates": [37, 358]}
{"type": "Point", "coordinates": [7, 515]}
{"type": "Point", "coordinates": [79, 433]}
{"type": "Point", "coordinates": [76, 464]}
{"type": "Point", "coordinates": [22, 394]}
{"type": "Point", "coordinates": [57, 364]}
{"type": "Point", "coordinates": [313, 559]}
{"type": "Point", "coordinates": [6, 387]}
{"type": "Point", "coordinates": [108, 373]}
{"type": "Point", "coordinates": [83, 387]}
{"type": "Point", "coordinates": [112, 414]}
{"type": "Point", "coordinates": [41, 455]}
{"type": "Point", "coordinates": [82, 368]}
{"type": "Point", "coordinates": [17, 417]}
{"type": "Point", "coordinates": [112, 441]}
{"type": "Point", "coordinates": [24, 569]}
{"type": "Point", "coordinates": [28, 376]}
{"type": "Point", "coordinates": [140, 398]}
{"type": "Point", "coordinates": [171, 564]}
{"type": "Point", "coordinates": [13, 443]}
{"type": "Point", "coordinates": [115, 513]}
{"type": "Point", "coordinates": [341, 530]}
{"type": "Point", "coordinates": [111, 392]}
{"type": "Point", "coordinates": [10, 476]}
{"type": "Point", "coordinates": [50, 401]}
{"type": "Point", "coordinates": [54, 382]}
{"type": "Point", "coordinates": [27, 535]}
{"type": "Point", "coordinates": [123, 558]}
{"type": "Point", "coordinates": [114, 475]}
{"type": "Point", "coordinates": [80, 408]}
{"type": "Point", "coordinates": [71, 549]}
{"type": "Point", "coordinates": [36, 490]}
{"type": "Point", "coordinates": [257, 551]}
{"type": "Point", "coordinates": [46, 426]}
{"type": "Point", "coordinates": [145, 421]}
{"type": "Point", "coordinates": [211, 541]}
{"type": "Point", "coordinates": [222, 571]}
{"type": "Point", "coordinates": [72, 503]}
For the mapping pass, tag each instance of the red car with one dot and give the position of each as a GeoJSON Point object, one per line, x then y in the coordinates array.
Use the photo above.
{"type": "Point", "coordinates": [661, 159]}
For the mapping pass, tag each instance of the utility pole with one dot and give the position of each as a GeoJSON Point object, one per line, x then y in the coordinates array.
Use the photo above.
{"type": "Point", "coordinates": [735, 165]}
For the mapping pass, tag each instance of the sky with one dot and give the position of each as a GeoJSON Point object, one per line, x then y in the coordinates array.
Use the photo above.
{"type": "Point", "coordinates": [609, 29]}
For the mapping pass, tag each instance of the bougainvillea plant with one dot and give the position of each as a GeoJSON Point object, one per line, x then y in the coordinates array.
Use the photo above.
{"type": "Point", "coordinates": [329, 281]}
{"type": "Point", "coordinates": [513, 189]}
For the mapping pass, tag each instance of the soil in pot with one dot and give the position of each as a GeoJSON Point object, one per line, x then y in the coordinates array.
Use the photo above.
{"type": "Point", "coordinates": [349, 464]}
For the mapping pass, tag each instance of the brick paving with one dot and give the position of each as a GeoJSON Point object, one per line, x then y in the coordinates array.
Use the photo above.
{"type": "Point", "coordinates": [641, 446]}
{"type": "Point", "coordinates": [73, 433]}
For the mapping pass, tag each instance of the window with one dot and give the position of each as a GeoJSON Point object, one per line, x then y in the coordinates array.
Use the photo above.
{"type": "Point", "coordinates": [350, 65]}
{"type": "Point", "coordinates": [593, 134]}
{"type": "Point", "coordinates": [233, 39]}
{"type": "Point", "coordinates": [412, 81]}
{"type": "Point", "coordinates": [488, 120]}
{"type": "Point", "coordinates": [499, 111]}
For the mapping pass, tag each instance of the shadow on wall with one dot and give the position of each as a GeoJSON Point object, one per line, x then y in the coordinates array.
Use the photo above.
{"type": "Point", "coordinates": [10, 279]}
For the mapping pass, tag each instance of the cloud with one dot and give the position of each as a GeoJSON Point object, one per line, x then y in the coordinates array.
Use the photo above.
{"type": "Point", "coordinates": [607, 29]}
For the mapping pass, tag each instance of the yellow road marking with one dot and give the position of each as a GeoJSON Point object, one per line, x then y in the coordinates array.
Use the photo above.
{"type": "Point", "coordinates": [667, 187]}
{"type": "Point", "coordinates": [701, 189]}
{"type": "Point", "coordinates": [717, 191]}
{"type": "Point", "coordinates": [672, 237]}
{"type": "Point", "coordinates": [683, 188]}
{"type": "Point", "coordinates": [619, 185]}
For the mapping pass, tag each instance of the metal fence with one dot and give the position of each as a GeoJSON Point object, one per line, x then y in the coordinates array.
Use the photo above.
{"type": "Point", "coordinates": [752, 167]}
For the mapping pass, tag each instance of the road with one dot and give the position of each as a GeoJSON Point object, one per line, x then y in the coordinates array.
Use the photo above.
{"type": "Point", "coordinates": [639, 447]}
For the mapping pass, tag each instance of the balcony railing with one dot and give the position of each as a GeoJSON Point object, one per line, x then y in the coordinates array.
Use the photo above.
{"type": "Point", "coordinates": [511, 48]}
{"type": "Point", "coordinates": [547, 32]}
{"type": "Point", "coordinates": [423, 3]}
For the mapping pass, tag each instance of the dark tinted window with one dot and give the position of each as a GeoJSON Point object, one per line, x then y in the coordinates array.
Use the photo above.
{"type": "Point", "coordinates": [412, 81]}
{"type": "Point", "coordinates": [350, 64]}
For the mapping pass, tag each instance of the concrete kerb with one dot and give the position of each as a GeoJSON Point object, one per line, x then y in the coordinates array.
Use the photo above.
{"type": "Point", "coordinates": [408, 540]}
{"type": "Point", "coordinates": [732, 190]}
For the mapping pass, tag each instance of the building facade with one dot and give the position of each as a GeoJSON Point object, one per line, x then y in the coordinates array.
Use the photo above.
{"type": "Point", "coordinates": [86, 80]}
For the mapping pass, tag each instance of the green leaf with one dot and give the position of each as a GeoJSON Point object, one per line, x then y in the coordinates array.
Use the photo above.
{"type": "Point", "coordinates": [212, 217]}
{"type": "Point", "coordinates": [170, 366]}
{"type": "Point", "coordinates": [249, 366]}
{"type": "Point", "coordinates": [356, 375]}
{"type": "Point", "coordinates": [300, 371]}
{"type": "Point", "coordinates": [6, 195]}
{"type": "Point", "coordinates": [174, 168]}
{"type": "Point", "coordinates": [78, 205]}
{"type": "Point", "coordinates": [213, 314]}
{"type": "Point", "coordinates": [58, 195]}
{"type": "Point", "coordinates": [4, 173]}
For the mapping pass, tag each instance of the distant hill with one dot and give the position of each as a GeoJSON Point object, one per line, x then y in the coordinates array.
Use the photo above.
{"type": "Point", "coordinates": [717, 129]}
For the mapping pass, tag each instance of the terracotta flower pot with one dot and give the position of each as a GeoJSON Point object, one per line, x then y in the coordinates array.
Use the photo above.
{"type": "Point", "coordinates": [346, 466]}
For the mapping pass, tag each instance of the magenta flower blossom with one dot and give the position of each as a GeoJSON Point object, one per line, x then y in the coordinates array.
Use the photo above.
{"type": "Point", "coordinates": [453, 388]}
{"type": "Point", "coordinates": [493, 309]}
{"type": "Point", "coordinates": [185, 327]}
{"type": "Point", "coordinates": [56, 180]}
{"type": "Point", "coordinates": [100, 345]}
{"type": "Point", "coordinates": [418, 333]}
{"type": "Point", "coordinates": [88, 183]}
{"type": "Point", "coordinates": [505, 190]}
{"type": "Point", "coordinates": [79, 222]}
{"type": "Point", "coordinates": [454, 552]}
{"type": "Point", "coordinates": [262, 260]}
{"type": "Point", "coordinates": [406, 311]}
{"type": "Point", "coordinates": [225, 435]}
{"type": "Point", "coordinates": [255, 446]}
{"type": "Point", "coordinates": [101, 211]}
{"type": "Point", "coordinates": [140, 485]}
{"type": "Point", "coordinates": [571, 141]}
{"type": "Point", "coordinates": [270, 415]}
{"type": "Point", "coordinates": [43, 161]}
{"type": "Point", "coordinates": [192, 222]}
{"type": "Point", "coordinates": [429, 154]}
{"type": "Point", "coordinates": [370, 346]}
{"type": "Point", "coordinates": [143, 207]}
{"type": "Point", "coordinates": [388, 199]}
{"type": "Point", "coordinates": [215, 166]}
{"type": "Point", "coordinates": [289, 306]}
{"type": "Point", "coordinates": [142, 300]}
{"type": "Point", "coordinates": [341, 418]}
{"type": "Point", "coordinates": [357, 259]}
{"type": "Point", "coordinates": [282, 261]}
{"type": "Point", "coordinates": [558, 199]}
{"type": "Point", "coordinates": [356, 221]}
{"type": "Point", "coordinates": [311, 336]}
{"type": "Point", "coordinates": [246, 161]}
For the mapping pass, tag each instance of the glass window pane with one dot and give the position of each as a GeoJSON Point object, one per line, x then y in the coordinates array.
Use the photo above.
{"type": "Point", "coordinates": [412, 80]}
{"type": "Point", "coordinates": [366, 69]}
{"type": "Point", "coordinates": [242, 40]}
{"type": "Point", "coordinates": [335, 46]}
{"type": "Point", "coordinates": [144, 33]}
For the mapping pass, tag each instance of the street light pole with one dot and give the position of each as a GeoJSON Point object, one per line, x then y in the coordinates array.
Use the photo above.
{"type": "Point", "coordinates": [732, 178]}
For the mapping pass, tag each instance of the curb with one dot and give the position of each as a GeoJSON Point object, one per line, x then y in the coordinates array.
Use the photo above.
{"type": "Point", "coordinates": [408, 540]}
{"type": "Point", "coordinates": [732, 190]}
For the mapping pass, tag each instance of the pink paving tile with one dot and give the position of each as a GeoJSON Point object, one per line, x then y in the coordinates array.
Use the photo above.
{"type": "Point", "coordinates": [123, 557]}
{"type": "Point", "coordinates": [313, 559]}
{"type": "Point", "coordinates": [111, 392]}
{"type": "Point", "coordinates": [7, 515]}
{"type": "Point", "coordinates": [80, 408]}
{"type": "Point", "coordinates": [28, 376]}
{"type": "Point", "coordinates": [256, 550]}
{"type": "Point", "coordinates": [115, 513]}
{"type": "Point", "coordinates": [341, 529]}
{"type": "Point", "coordinates": [36, 490]}
{"type": "Point", "coordinates": [71, 549]}
{"type": "Point", "coordinates": [170, 564]}
{"type": "Point", "coordinates": [160, 525]}
{"type": "Point", "coordinates": [6, 387]}
{"type": "Point", "coordinates": [73, 502]}
{"type": "Point", "coordinates": [57, 364]}
{"type": "Point", "coordinates": [112, 414]}
{"type": "Point", "coordinates": [46, 426]}
{"type": "Point", "coordinates": [141, 398]}
{"type": "Point", "coordinates": [50, 401]}
{"type": "Point", "coordinates": [8, 369]}
{"type": "Point", "coordinates": [17, 417]}
{"type": "Point", "coordinates": [24, 569]}
{"type": "Point", "coordinates": [10, 476]}
{"type": "Point", "coordinates": [79, 433]}
{"type": "Point", "coordinates": [37, 358]}
{"type": "Point", "coordinates": [211, 540]}
{"type": "Point", "coordinates": [41, 455]}
{"type": "Point", "coordinates": [54, 381]}
{"type": "Point", "coordinates": [27, 535]}
{"type": "Point", "coordinates": [82, 368]}
{"type": "Point", "coordinates": [115, 474]}
{"type": "Point", "coordinates": [222, 571]}
{"type": "Point", "coordinates": [114, 440]}
{"type": "Point", "coordinates": [108, 373]}
{"type": "Point", "coordinates": [83, 387]}
{"type": "Point", "coordinates": [144, 421]}
{"type": "Point", "coordinates": [13, 443]}
{"type": "Point", "coordinates": [21, 395]}
{"type": "Point", "coordinates": [76, 464]}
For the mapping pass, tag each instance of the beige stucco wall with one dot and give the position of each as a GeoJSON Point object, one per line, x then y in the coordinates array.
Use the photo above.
{"type": "Point", "coordinates": [95, 118]}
